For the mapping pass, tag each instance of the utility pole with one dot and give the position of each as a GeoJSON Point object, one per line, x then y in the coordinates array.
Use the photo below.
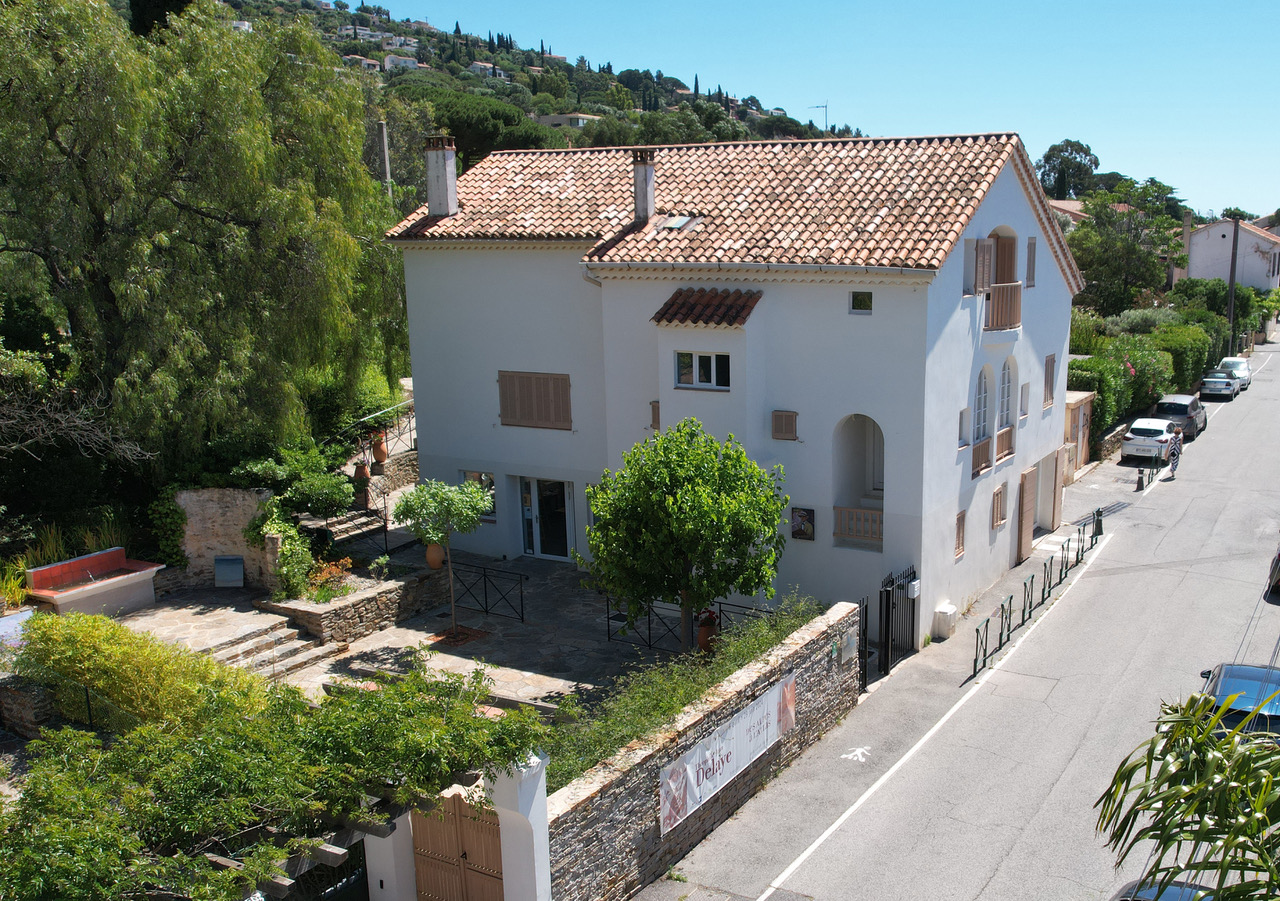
{"type": "Point", "coordinates": [1231, 288]}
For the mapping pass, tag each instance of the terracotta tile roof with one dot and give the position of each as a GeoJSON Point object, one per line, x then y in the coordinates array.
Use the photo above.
{"type": "Point", "coordinates": [895, 202]}
{"type": "Point", "coordinates": [702, 306]}
{"type": "Point", "coordinates": [1260, 232]}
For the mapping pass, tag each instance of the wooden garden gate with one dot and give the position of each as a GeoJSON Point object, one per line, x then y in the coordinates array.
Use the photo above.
{"type": "Point", "coordinates": [457, 853]}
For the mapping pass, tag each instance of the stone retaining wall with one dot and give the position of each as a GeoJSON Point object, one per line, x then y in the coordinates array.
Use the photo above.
{"type": "Point", "coordinates": [399, 470]}
{"type": "Point", "coordinates": [216, 518]}
{"type": "Point", "coordinates": [1109, 443]}
{"type": "Point", "coordinates": [606, 843]}
{"type": "Point", "coordinates": [362, 613]}
{"type": "Point", "coordinates": [25, 706]}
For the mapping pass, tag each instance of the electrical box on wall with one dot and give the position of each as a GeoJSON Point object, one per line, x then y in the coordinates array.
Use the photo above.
{"type": "Point", "coordinates": [913, 588]}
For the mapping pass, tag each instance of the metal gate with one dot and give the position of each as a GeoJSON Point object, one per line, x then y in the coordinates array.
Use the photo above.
{"type": "Point", "coordinates": [897, 619]}
{"type": "Point", "coordinates": [457, 852]}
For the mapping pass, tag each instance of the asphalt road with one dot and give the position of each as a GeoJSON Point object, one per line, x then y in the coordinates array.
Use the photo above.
{"type": "Point", "coordinates": [943, 786]}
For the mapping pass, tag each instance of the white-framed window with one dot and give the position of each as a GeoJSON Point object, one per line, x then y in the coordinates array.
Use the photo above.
{"type": "Point", "coordinates": [485, 479]}
{"type": "Point", "coordinates": [702, 370]}
{"type": "Point", "coordinates": [1006, 396]}
{"type": "Point", "coordinates": [860, 302]}
{"type": "Point", "coordinates": [965, 414]}
{"type": "Point", "coordinates": [1024, 403]}
{"type": "Point", "coordinates": [980, 408]}
{"type": "Point", "coordinates": [1050, 377]}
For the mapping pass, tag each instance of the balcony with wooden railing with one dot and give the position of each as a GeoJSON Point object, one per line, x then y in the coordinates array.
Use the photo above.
{"type": "Point", "coordinates": [1004, 307]}
{"type": "Point", "coordinates": [1004, 443]}
{"type": "Point", "coordinates": [981, 456]}
{"type": "Point", "coordinates": [860, 524]}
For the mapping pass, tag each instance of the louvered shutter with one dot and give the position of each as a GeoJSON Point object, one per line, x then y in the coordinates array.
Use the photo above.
{"type": "Point", "coordinates": [1031, 262]}
{"type": "Point", "coordinates": [985, 250]}
{"type": "Point", "coordinates": [537, 400]}
{"type": "Point", "coordinates": [784, 425]}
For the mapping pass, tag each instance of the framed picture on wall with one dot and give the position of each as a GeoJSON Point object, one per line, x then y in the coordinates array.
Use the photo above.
{"type": "Point", "coordinates": [802, 523]}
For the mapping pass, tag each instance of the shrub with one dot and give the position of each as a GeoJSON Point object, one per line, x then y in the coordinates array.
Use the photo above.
{"type": "Point", "coordinates": [1139, 322]}
{"type": "Point", "coordinates": [1150, 371]}
{"type": "Point", "coordinates": [1216, 327]}
{"type": "Point", "coordinates": [323, 495]}
{"type": "Point", "coordinates": [644, 699]}
{"type": "Point", "coordinates": [1188, 346]}
{"type": "Point", "coordinates": [1106, 377]}
{"type": "Point", "coordinates": [295, 560]}
{"type": "Point", "coordinates": [1086, 332]}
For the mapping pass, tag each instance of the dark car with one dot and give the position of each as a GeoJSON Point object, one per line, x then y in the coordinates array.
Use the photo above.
{"type": "Point", "coordinates": [1175, 891]}
{"type": "Point", "coordinates": [1251, 684]}
{"type": "Point", "coordinates": [1185, 410]}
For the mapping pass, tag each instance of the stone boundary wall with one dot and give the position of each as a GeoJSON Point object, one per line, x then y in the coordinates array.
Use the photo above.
{"type": "Point", "coordinates": [606, 844]}
{"type": "Point", "coordinates": [25, 706]}
{"type": "Point", "coordinates": [216, 518]}
{"type": "Point", "coordinates": [364, 612]}
{"type": "Point", "coordinates": [399, 470]}
{"type": "Point", "coordinates": [1109, 443]}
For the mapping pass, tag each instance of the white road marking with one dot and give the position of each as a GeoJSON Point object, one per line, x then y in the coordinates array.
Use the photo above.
{"type": "Point", "coordinates": [858, 754]}
{"type": "Point", "coordinates": [875, 787]}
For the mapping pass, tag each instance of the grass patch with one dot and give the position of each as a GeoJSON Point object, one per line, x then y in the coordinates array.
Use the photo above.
{"type": "Point", "coordinates": [644, 699]}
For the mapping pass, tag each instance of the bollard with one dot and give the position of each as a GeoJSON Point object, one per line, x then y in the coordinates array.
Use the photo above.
{"type": "Point", "coordinates": [1097, 526]}
{"type": "Point", "coordinates": [1141, 483]}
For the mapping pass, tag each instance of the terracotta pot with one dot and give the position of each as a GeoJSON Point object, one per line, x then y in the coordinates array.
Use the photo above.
{"type": "Point", "coordinates": [362, 470]}
{"type": "Point", "coordinates": [379, 448]}
{"type": "Point", "coordinates": [706, 635]}
{"type": "Point", "coordinates": [435, 555]}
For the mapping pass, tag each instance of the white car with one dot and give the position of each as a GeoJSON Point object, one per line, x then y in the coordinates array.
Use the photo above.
{"type": "Point", "coordinates": [1148, 438]}
{"type": "Point", "coordinates": [1239, 366]}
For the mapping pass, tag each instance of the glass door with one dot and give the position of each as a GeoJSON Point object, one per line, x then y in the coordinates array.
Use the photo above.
{"type": "Point", "coordinates": [545, 517]}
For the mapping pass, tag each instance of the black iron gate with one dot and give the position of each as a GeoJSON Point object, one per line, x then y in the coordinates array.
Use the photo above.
{"type": "Point", "coordinates": [897, 624]}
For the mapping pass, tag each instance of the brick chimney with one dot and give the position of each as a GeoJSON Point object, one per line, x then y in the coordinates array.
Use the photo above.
{"type": "Point", "coordinates": [642, 166]}
{"type": "Point", "coordinates": [442, 176]}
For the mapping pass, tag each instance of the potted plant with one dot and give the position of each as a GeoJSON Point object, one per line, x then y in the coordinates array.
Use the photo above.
{"type": "Point", "coordinates": [379, 447]}
{"type": "Point", "coordinates": [434, 511]}
{"type": "Point", "coordinates": [708, 628]}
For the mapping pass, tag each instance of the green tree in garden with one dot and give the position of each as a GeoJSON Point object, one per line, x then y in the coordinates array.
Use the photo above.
{"type": "Point", "coordinates": [434, 511]}
{"type": "Point", "coordinates": [687, 520]}
{"type": "Point", "coordinates": [193, 207]}
{"type": "Point", "coordinates": [1066, 170]}
{"type": "Point", "coordinates": [1199, 802]}
{"type": "Point", "coordinates": [1125, 245]}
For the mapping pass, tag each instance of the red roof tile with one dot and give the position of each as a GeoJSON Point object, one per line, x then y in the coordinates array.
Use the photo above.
{"type": "Point", "coordinates": [702, 306]}
{"type": "Point", "coordinates": [876, 202]}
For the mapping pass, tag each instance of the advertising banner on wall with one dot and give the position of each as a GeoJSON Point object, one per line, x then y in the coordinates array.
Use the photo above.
{"type": "Point", "coordinates": [688, 782]}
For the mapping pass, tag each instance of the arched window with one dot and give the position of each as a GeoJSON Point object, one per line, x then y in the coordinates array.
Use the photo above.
{"type": "Point", "coordinates": [980, 408]}
{"type": "Point", "coordinates": [1006, 396]}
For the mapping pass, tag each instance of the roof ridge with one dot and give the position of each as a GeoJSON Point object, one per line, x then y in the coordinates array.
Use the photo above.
{"type": "Point", "coordinates": [887, 139]}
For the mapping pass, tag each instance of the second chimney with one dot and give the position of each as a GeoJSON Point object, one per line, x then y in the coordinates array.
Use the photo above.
{"type": "Point", "coordinates": [442, 176]}
{"type": "Point", "coordinates": [642, 164]}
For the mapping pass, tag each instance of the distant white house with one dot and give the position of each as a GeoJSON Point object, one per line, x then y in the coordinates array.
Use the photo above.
{"type": "Point", "coordinates": [1257, 254]}
{"type": "Point", "coordinates": [572, 120]}
{"type": "Point", "coordinates": [486, 70]}
{"type": "Point", "coordinates": [241, 25]}
{"type": "Point", "coordinates": [887, 319]}
{"type": "Point", "coordinates": [391, 61]}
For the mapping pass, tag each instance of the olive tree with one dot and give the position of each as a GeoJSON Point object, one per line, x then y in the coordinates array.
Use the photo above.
{"type": "Point", "coordinates": [434, 511]}
{"type": "Point", "coordinates": [687, 519]}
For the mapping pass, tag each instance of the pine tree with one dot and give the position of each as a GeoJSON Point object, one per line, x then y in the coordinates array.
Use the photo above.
{"type": "Point", "coordinates": [493, 46]}
{"type": "Point", "coordinates": [695, 86]}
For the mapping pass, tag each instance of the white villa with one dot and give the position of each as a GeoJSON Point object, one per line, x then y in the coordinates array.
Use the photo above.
{"type": "Point", "coordinates": [888, 319]}
{"type": "Point", "coordinates": [1257, 254]}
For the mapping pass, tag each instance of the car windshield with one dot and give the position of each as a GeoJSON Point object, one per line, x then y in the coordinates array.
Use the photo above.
{"type": "Point", "coordinates": [1146, 433]}
{"type": "Point", "coordinates": [1171, 409]}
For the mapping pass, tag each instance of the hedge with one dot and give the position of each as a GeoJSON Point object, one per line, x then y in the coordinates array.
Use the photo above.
{"type": "Point", "coordinates": [1188, 346]}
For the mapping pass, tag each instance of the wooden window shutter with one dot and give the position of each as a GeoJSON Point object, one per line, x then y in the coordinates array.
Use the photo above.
{"type": "Point", "coordinates": [536, 400]}
{"type": "Point", "coordinates": [1031, 262]}
{"type": "Point", "coordinates": [655, 417]}
{"type": "Point", "coordinates": [960, 533]}
{"type": "Point", "coordinates": [784, 425]}
{"type": "Point", "coordinates": [997, 507]}
{"type": "Point", "coordinates": [983, 263]}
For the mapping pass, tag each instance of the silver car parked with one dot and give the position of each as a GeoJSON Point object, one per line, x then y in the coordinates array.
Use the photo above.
{"type": "Point", "coordinates": [1184, 410]}
{"type": "Point", "coordinates": [1219, 382]}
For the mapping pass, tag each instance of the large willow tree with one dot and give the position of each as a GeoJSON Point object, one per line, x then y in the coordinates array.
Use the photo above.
{"type": "Point", "coordinates": [193, 207]}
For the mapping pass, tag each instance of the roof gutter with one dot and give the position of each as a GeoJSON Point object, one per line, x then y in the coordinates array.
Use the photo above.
{"type": "Point", "coordinates": [752, 267]}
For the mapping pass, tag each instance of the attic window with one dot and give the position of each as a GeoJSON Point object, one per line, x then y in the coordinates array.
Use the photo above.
{"type": "Point", "coordinates": [679, 223]}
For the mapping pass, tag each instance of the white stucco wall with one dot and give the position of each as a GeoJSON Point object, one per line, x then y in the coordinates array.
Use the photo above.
{"type": "Point", "coordinates": [1210, 256]}
{"type": "Point", "coordinates": [957, 349]}
{"type": "Point", "coordinates": [473, 312]}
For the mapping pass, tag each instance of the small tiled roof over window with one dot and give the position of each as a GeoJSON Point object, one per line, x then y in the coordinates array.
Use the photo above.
{"type": "Point", "coordinates": [707, 306]}
{"type": "Point", "coordinates": [874, 202]}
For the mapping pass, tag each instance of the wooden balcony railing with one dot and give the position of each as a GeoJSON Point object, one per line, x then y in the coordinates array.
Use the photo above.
{"type": "Point", "coordinates": [859, 524]}
{"type": "Point", "coordinates": [981, 456]}
{"type": "Point", "coordinates": [1004, 307]}
{"type": "Point", "coordinates": [1004, 443]}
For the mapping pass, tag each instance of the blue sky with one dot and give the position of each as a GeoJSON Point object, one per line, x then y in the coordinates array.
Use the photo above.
{"type": "Point", "coordinates": [1177, 90]}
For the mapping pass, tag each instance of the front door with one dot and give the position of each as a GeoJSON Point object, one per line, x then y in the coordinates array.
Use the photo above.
{"type": "Point", "coordinates": [546, 517]}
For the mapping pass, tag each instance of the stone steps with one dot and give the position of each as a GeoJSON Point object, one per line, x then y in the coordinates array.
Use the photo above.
{"type": "Point", "coordinates": [278, 663]}
{"type": "Point", "coordinates": [255, 645]}
{"type": "Point", "coordinates": [275, 650]}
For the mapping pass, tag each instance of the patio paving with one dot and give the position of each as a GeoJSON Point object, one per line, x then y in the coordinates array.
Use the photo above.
{"type": "Point", "coordinates": [561, 647]}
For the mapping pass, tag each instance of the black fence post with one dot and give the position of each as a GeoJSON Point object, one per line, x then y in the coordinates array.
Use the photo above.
{"type": "Point", "coordinates": [88, 706]}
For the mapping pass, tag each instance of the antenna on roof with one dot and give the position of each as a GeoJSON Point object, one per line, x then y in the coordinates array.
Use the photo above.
{"type": "Point", "coordinates": [822, 106]}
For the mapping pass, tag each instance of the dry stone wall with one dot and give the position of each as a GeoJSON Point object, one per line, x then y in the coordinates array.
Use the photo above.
{"type": "Point", "coordinates": [216, 518]}
{"type": "Point", "coordinates": [398, 471]}
{"type": "Point", "coordinates": [362, 613]}
{"type": "Point", "coordinates": [606, 843]}
{"type": "Point", "coordinates": [25, 706]}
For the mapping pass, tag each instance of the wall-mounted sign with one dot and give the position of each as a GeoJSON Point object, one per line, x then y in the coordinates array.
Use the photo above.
{"type": "Point", "coordinates": [707, 767]}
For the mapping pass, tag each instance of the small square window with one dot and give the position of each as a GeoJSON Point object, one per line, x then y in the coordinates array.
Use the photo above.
{"type": "Point", "coordinates": [486, 481]}
{"type": "Point", "coordinates": [695, 370]}
{"type": "Point", "coordinates": [860, 302]}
